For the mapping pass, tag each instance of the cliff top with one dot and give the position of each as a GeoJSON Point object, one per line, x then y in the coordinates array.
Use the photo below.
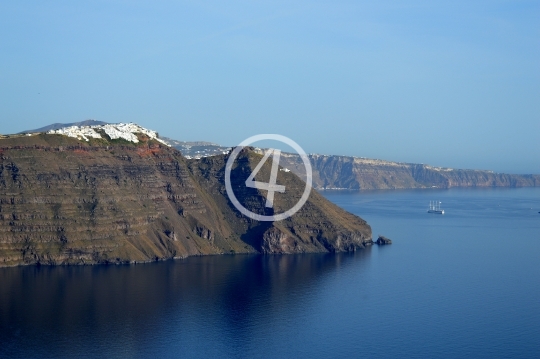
{"type": "Point", "coordinates": [129, 132]}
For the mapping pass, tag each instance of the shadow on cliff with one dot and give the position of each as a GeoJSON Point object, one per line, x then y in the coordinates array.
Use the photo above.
{"type": "Point", "coordinates": [252, 199]}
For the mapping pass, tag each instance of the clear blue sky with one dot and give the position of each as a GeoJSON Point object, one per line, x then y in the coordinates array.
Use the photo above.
{"type": "Point", "coordinates": [449, 83]}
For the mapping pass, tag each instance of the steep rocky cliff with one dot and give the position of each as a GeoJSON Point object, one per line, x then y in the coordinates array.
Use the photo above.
{"type": "Point", "coordinates": [345, 172]}
{"type": "Point", "coordinates": [68, 201]}
{"type": "Point", "coordinates": [318, 226]}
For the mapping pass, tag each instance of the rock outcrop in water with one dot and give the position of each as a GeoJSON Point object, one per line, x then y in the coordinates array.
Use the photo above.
{"type": "Point", "coordinates": [382, 240]}
{"type": "Point", "coordinates": [70, 201]}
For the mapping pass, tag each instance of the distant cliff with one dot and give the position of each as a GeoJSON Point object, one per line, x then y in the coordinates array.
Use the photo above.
{"type": "Point", "coordinates": [65, 200]}
{"type": "Point", "coordinates": [346, 172]}
{"type": "Point", "coordinates": [330, 172]}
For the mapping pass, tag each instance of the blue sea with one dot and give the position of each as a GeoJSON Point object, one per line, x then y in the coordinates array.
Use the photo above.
{"type": "Point", "coordinates": [465, 284]}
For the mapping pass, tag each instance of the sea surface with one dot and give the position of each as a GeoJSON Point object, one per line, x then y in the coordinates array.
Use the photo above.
{"type": "Point", "coordinates": [465, 284]}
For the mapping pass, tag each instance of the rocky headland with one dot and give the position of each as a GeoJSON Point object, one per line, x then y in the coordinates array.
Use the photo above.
{"type": "Point", "coordinates": [74, 200]}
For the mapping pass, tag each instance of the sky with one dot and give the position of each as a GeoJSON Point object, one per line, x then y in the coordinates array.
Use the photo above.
{"type": "Point", "coordinates": [447, 83]}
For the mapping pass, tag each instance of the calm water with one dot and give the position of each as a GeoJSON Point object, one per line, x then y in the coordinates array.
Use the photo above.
{"type": "Point", "coordinates": [465, 284]}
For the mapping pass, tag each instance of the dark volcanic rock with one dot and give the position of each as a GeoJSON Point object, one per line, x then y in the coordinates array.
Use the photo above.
{"type": "Point", "coordinates": [66, 201]}
{"type": "Point", "coordinates": [382, 240]}
{"type": "Point", "coordinates": [319, 226]}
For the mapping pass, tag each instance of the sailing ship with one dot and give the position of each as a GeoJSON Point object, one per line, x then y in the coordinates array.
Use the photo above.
{"type": "Point", "coordinates": [435, 207]}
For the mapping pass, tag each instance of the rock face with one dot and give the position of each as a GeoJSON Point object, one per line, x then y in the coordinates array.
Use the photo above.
{"type": "Point", "coordinates": [382, 240]}
{"type": "Point", "coordinates": [343, 172]}
{"type": "Point", "coordinates": [69, 201]}
{"type": "Point", "coordinates": [319, 226]}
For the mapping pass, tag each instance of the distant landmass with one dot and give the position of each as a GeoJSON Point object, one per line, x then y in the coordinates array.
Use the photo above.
{"type": "Point", "coordinates": [358, 173]}
{"type": "Point", "coordinates": [197, 149]}
{"type": "Point", "coordinates": [80, 196]}
{"type": "Point", "coordinates": [354, 173]}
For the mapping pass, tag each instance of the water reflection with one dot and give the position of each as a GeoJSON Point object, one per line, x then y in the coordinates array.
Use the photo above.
{"type": "Point", "coordinates": [51, 310]}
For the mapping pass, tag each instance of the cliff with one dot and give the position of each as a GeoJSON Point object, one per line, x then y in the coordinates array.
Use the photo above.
{"type": "Point", "coordinates": [346, 172]}
{"type": "Point", "coordinates": [343, 172]}
{"type": "Point", "coordinates": [68, 201]}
